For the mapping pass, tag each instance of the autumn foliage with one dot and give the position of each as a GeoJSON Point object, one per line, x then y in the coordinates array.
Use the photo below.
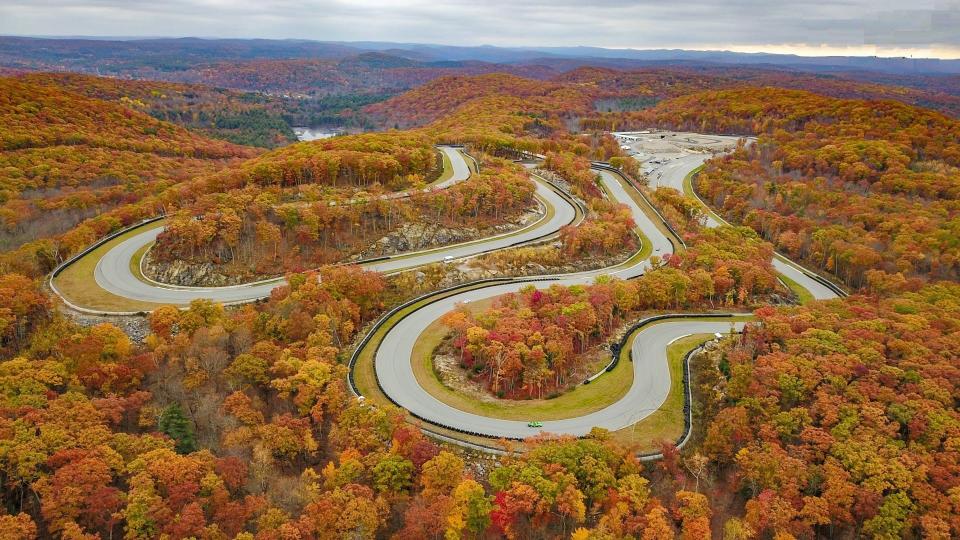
{"type": "Point", "coordinates": [864, 190]}
{"type": "Point", "coordinates": [237, 117]}
{"type": "Point", "coordinates": [86, 447]}
{"type": "Point", "coordinates": [321, 205]}
{"type": "Point", "coordinates": [529, 344]}
{"type": "Point", "coordinates": [836, 419]}
{"type": "Point", "coordinates": [839, 417]}
{"type": "Point", "coordinates": [65, 158]}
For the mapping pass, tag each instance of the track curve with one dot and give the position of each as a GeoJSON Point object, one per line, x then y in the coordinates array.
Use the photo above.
{"type": "Point", "coordinates": [114, 275]}
{"type": "Point", "coordinates": [394, 372]}
{"type": "Point", "coordinates": [652, 381]}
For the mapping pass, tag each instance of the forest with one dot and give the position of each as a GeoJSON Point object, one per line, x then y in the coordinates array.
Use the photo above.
{"type": "Point", "coordinates": [238, 117]}
{"type": "Point", "coordinates": [858, 441]}
{"type": "Point", "coordinates": [833, 419]}
{"type": "Point", "coordinates": [65, 157]}
{"type": "Point", "coordinates": [839, 419]}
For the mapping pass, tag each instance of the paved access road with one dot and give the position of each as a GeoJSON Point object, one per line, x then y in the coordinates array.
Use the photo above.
{"type": "Point", "coordinates": [670, 159]}
{"type": "Point", "coordinates": [114, 275]}
{"type": "Point", "coordinates": [461, 171]}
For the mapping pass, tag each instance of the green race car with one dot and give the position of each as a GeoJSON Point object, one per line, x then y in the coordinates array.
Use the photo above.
{"type": "Point", "coordinates": [534, 424]}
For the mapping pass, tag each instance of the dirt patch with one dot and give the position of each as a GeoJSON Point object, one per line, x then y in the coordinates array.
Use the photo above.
{"type": "Point", "coordinates": [453, 376]}
{"type": "Point", "coordinates": [459, 378]}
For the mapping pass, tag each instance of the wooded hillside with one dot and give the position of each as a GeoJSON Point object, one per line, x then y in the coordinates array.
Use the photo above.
{"type": "Point", "coordinates": [65, 157]}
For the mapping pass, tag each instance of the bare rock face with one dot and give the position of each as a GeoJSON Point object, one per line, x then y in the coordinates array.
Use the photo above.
{"type": "Point", "coordinates": [406, 238]}
{"type": "Point", "coordinates": [179, 272]}
{"type": "Point", "coordinates": [418, 236]}
{"type": "Point", "coordinates": [136, 327]}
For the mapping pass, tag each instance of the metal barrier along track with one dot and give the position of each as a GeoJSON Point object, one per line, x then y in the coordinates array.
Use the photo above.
{"type": "Point", "coordinates": [86, 251]}
{"type": "Point", "coordinates": [609, 168]}
{"type": "Point", "coordinates": [617, 348]}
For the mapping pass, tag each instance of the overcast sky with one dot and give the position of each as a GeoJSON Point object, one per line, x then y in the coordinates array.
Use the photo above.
{"type": "Point", "coordinates": [855, 27]}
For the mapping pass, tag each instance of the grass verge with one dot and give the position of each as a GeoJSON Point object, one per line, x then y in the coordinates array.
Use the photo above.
{"type": "Point", "coordinates": [364, 374]}
{"type": "Point", "coordinates": [803, 295]}
{"type": "Point", "coordinates": [79, 286]}
{"type": "Point", "coordinates": [646, 246]}
{"type": "Point", "coordinates": [689, 192]}
{"type": "Point", "coordinates": [582, 399]}
{"type": "Point", "coordinates": [651, 214]}
{"type": "Point", "coordinates": [135, 262]}
{"type": "Point", "coordinates": [666, 423]}
{"type": "Point", "coordinates": [447, 169]}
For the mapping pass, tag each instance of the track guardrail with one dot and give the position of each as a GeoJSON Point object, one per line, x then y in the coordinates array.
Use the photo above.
{"type": "Point", "coordinates": [609, 168]}
{"type": "Point", "coordinates": [825, 282]}
{"type": "Point", "coordinates": [86, 251]}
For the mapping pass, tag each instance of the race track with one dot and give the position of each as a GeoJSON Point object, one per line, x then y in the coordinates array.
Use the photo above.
{"type": "Point", "coordinates": [113, 273]}
{"type": "Point", "coordinates": [668, 162]}
{"type": "Point", "coordinates": [651, 384]}
{"type": "Point", "coordinates": [650, 388]}
{"type": "Point", "coordinates": [652, 381]}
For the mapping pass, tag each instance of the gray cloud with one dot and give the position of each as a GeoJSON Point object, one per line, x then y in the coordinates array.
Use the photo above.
{"type": "Point", "coordinates": [804, 25]}
{"type": "Point", "coordinates": [916, 27]}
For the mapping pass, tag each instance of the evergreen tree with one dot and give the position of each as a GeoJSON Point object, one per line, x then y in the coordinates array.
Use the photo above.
{"type": "Point", "coordinates": [178, 427]}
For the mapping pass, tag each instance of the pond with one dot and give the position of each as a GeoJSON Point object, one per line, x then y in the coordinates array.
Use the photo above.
{"type": "Point", "coordinates": [312, 134]}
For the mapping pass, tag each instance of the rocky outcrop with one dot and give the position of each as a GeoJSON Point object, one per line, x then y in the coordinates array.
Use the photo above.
{"type": "Point", "coordinates": [136, 327]}
{"type": "Point", "coordinates": [419, 236]}
{"type": "Point", "coordinates": [179, 272]}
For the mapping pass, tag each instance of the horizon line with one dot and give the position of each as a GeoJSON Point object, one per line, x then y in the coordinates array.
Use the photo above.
{"type": "Point", "coordinates": [795, 50]}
